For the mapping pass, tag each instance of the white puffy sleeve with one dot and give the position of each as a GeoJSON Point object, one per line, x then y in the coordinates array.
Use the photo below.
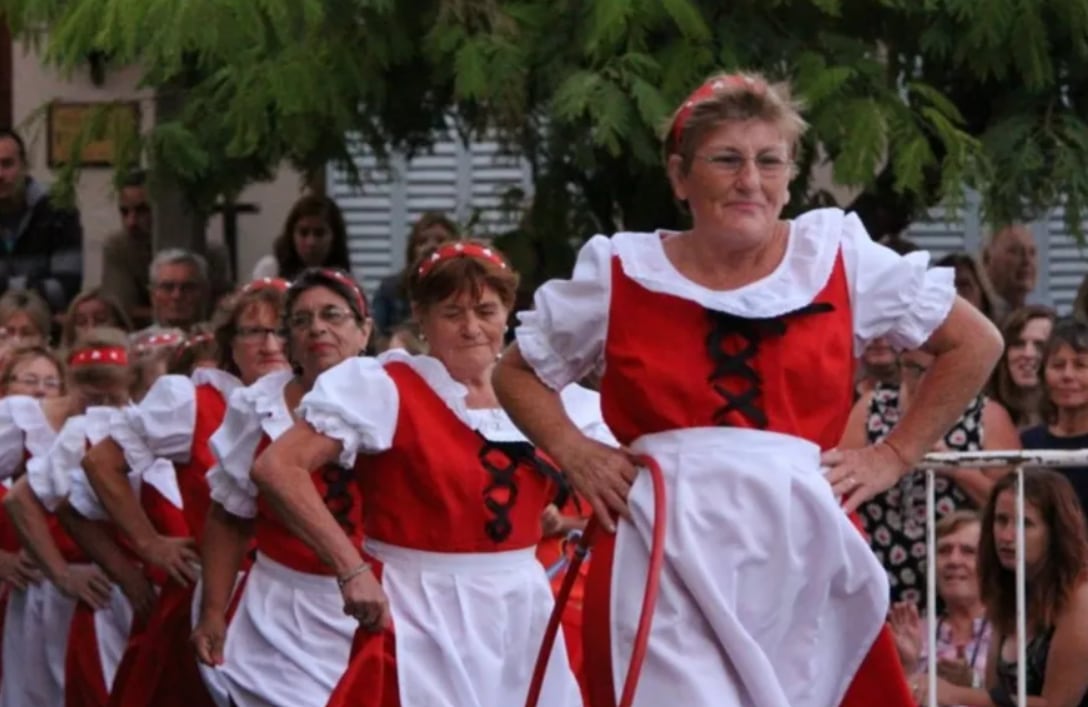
{"type": "Point", "coordinates": [562, 338]}
{"type": "Point", "coordinates": [11, 441]}
{"type": "Point", "coordinates": [49, 475]}
{"type": "Point", "coordinates": [355, 403]}
{"type": "Point", "coordinates": [82, 496]}
{"type": "Point", "coordinates": [234, 446]}
{"type": "Point", "coordinates": [894, 296]}
{"type": "Point", "coordinates": [583, 406]}
{"type": "Point", "coordinates": [164, 420]}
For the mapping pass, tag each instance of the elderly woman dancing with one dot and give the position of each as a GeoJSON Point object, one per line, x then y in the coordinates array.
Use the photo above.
{"type": "Point", "coordinates": [726, 352]}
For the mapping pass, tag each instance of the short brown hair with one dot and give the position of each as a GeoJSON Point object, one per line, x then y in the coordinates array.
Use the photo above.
{"type": "Point", "coordinates": [986, 288]}
{"type": "Point", "coordinates": [15, 301]}
{"type": "Point", "coordinates": [455, 275]}
{"type": "Point", "coordinates": [225, 327]}
{"type": "Point", "coordinates": [1064, 564]}
{"type": "Point", "coordinates": [199, 345]}
{"type": "Point", "coordinates": [1067, 332]}
{"type": "Point", "coordinates": [739, 97]}
{"type": "Point", "coordinates": [120, 317]}
{"type": "Point", "coordinates": [954, 521]}
{"type": "Point", "coordinates": [29, 353]}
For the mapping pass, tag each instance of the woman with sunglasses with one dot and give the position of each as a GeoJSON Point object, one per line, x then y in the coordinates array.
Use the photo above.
{"type": "Point", "coordinates": [164, 442]}
{"type": "Point", "coordinates": [289, 640]}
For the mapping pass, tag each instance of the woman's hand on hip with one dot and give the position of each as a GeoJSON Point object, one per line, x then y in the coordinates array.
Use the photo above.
{"type": "Point", "coordinates": [857, 475]}
{"type": "Point", "coordinates": [603, 476]}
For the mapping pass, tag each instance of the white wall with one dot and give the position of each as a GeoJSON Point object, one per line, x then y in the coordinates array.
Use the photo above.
{"type": "Point", "coordinates": [34, 85]}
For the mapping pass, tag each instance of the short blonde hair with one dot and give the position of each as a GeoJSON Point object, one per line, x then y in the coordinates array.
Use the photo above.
{"type": "Point", "coordinates": [15, 301]}
{"type": "Point", "coordinates": [733, 97]}
{"type": "Point", "coordinates": [954, 521]}
{"type": "Point", "coordinates": [99, 373]}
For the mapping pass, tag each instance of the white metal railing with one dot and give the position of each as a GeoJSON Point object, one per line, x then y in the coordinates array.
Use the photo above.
{"type": "Point", "coordinates": [1018, 461]}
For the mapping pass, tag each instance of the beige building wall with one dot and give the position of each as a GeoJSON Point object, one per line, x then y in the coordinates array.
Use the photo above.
{"type": "Point", "coordinates": [34, 85]}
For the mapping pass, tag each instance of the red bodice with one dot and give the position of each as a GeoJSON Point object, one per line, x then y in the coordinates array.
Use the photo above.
{"type": "Point", "coordinates": [672, 364]}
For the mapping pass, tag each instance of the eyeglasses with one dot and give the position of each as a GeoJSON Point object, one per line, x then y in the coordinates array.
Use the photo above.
{"type": "Point", "coordinates": [732, 163]}
{"type": "Point", "coordinates": [333, 316]}
{"type": "Point", "coordinates": [35, 382]}
{"type": "Point", "coordinates": [168, 287]}
{"type": "Point", "coordinates": [256, 334]}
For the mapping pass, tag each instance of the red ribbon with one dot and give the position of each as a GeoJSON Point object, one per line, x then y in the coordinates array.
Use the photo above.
{"type": "Point", "coordinates": [707, 91]}
{"type": "Point", "coordinates": [102, 356]}
{"type": "Point", "coordinates": [461, 250]}
{"type": "Point", "coordinates": [343, 279]}
{"type": "Point", "coordinates": [266, 283]}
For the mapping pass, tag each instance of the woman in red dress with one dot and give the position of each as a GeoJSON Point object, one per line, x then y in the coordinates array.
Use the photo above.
{"type": "Point", "coordinates": [727, 353]}
{"type": "Point", "coordinates": [288, 642]}
{"type": "Point", "coordinates": [453, 497]}
{"type": "Point", "coordinates": [99, 370]}
{"type": "Point", "coordinates": [164, 442]}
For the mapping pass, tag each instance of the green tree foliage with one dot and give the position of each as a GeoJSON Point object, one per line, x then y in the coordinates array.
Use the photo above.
{"type": "Point", "coordinates": [908, 100]}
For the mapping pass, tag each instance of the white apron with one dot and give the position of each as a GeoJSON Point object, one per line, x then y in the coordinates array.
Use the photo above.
{"type": "Point", "coordinates": [289, 641]}
{"type": "Point", "coordinates": [769, 598]}
{"type": "Point", "coordinates": [468, 627]}
{"type": "Point", "coordinates": [112, 626]}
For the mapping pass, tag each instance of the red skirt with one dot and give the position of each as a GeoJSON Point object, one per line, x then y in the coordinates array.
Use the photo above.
{"type": "Point", "coordinates": [84, 682]}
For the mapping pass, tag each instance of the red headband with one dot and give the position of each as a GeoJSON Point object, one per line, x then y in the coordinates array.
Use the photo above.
{"type": "Point", "coordinates": [348, 282]}
{"type": "Point", "coordinates": [460, 250]}
{"type": "Point", "coordinates": [266, 283]}
{"type": "Point", "coordinates": [101, 356]}
{"type": "Point", "coordinates": [194, 340]}
{"type": "Point", "coordinates": [707, 91]}
{"type": "Point", "coordinates": [154, 341]}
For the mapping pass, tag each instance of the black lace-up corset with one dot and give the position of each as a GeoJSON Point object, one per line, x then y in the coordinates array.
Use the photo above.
{"type": "Point", "coordinates": [338, 497]}
{"type": "Point", "coordinates": [502, 460]}
{"type": "Point", "coordinates": [732, 345]}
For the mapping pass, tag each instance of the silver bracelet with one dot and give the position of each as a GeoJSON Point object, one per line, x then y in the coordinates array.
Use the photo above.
{"type": "Point", "coordinates": [344, 579]}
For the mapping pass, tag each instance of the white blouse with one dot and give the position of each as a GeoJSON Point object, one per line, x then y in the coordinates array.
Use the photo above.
{"type": "Point", "coordinates": [898, 297]}
{"type": "Point", "coordinates": [252, 412]}
{"type": "Point", "coordinates": [357, 403]}
{"type": "Point", "coordinates": [81, 495]}
{"type": "Point", "coordinates": [23, 427]}
{"type": "Point", "coordinates": [162, 424]}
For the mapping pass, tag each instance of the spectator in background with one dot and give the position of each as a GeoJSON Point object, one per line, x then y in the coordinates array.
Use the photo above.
{"type": "Point", "coordinates": [972, 283]}
{"type": "Point", "coordinates": [1064, 399]}
{"type": "Point", "coordinates": [314, 235]}
{"type": "Point", "coordinates": [127, 254]}
{"type": "Point", "coordinates": [879, 365]}
{"type": "Point", "coordinates": [1015, 381]}
{"type": "Point", "coordinates": [25, 318]}
{"type": "Point", "coordinates": [1009, 257]}
{"type": "Point", "coordinates": [90, 310]}
{"type": "Point", "coordinates": [180, 292]}
{"type": "Point", "coordinates": [42, 244]}
{"type": "Point", "coordinates": [963, 633]}
{"type": "Point", "coordinates": [391, 301]}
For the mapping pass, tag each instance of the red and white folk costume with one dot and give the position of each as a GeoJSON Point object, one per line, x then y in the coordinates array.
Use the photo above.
{"type": "Point", "coordinates": [25, 433]}
{"type": "Point", "coordinates": [165, 442]}
{"type": "Point", "coordinates": [289, 639]}
{"type": "Point", "coordinates": [93, 641]}
{"type": "Point", "coordinates": [452, 499]}
{"type": "Point", "coordinates": [770, 597]}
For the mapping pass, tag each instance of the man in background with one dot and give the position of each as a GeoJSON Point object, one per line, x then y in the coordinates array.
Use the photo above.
{"type": "Point", "coordinates": [127, 255]}
{"type": "Point", "coordinates": [1009, 259]}
{"type": "Point", "coordinates": [41, 245]}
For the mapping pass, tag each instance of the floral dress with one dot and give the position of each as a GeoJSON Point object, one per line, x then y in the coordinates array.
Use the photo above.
{"type": "Point", "coordinates": [895, 520]}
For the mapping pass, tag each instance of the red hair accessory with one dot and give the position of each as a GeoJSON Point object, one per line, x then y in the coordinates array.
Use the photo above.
{"type": "Point", "coordinates": [348, 282]}
{"type": "Point", "coordinates": [170, 338]}
{"type": "Point", "coordinates": [461, 250]}
{"type": "Point", "coordinates": [266, 283]}
{"type": "Point", "coordinates": [707, 91]}
{"type": "Point", "coordinates": [101, 356]}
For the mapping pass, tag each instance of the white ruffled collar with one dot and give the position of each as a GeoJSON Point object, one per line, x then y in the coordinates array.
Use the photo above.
{"type": "Point", "coordinates": [97, 421]}
{"type": "Point", "coordinates": [29, 417]}
{"type": "Point", "coordinates": [266, 398]}
{"type": "Point", "coordinates": [492, 423]}
{"type": "Point", "coordinates": [805, 269]}
{"type": "Point", "coordinates": [222, 381]}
